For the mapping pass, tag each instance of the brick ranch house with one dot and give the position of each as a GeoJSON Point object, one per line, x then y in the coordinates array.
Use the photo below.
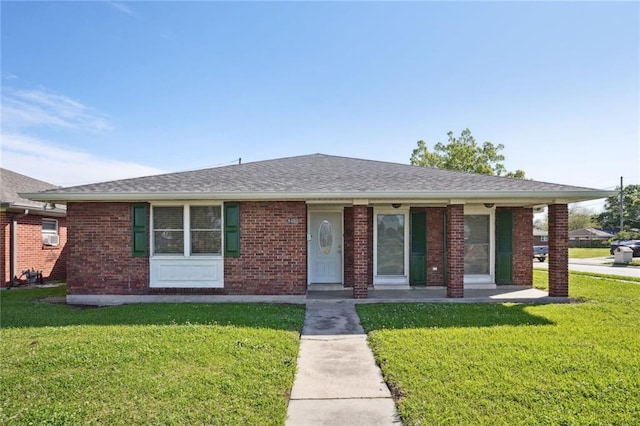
{"type": "Point", "coordinates": [284, 226]}
{"type": "Point", "coordinates": [33, 233]}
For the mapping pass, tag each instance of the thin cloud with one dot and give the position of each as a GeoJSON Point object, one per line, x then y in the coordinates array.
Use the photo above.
{"type": "Point", "coordinates": [122, 8]}
{"type": "Point", "coordinates": [63, 166]}
{"type": "Point", "coordinates": [22, 109]}
{"type": "Point", "coordinates": [28, 110]}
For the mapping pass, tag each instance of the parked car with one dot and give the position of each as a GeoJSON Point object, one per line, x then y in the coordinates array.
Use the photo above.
{"type": "Point", "coordinates": [541, 252]}
{"type": "Point", "coordinates": [632, 244]}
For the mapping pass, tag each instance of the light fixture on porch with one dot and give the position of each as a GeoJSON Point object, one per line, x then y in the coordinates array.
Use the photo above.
{"type": "Point", "coordinates": [396, 205]}
{"type": "Point", "coordinates": [489, 205]}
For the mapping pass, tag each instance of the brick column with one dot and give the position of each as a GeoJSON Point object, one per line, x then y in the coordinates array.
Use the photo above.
{"type": "Point", "coordinates": [558, 250]}
{"type": "Point", "coordinates": [455, 250]}
{"type": "Point", "coordinates": [360, 252]}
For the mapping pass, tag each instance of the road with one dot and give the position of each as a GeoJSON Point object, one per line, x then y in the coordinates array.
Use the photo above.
{"type": "Point", "coordinates": [597, 265]}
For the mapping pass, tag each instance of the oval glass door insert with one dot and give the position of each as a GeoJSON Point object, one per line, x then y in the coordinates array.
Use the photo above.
{"type": "Point", "coordinates": [325, 237]}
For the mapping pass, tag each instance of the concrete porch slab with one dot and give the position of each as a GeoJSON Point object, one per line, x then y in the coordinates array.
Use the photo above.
{"type": "Point", "coordinates": [500, 294]}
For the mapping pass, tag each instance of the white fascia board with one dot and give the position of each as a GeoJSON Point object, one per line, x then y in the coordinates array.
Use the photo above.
{"type": "Point", "coordinates": [529, 197]}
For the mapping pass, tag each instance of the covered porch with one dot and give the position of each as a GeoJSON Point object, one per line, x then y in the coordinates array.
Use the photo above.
{"type": "Point", "coordinates": [510, 255]}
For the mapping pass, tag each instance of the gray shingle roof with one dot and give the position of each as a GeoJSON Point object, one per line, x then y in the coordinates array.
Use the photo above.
{"type": "Point", "coordinates": [590, 233]}
{"type": "Point", "coordinates": [12, 183]}
{"type": "Point", "coordinates": [313, 175]}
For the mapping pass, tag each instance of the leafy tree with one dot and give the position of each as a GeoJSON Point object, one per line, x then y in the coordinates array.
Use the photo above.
{"type": "Point", "coordinates": [464, 154]}
{"type": "Point", "coordinates": [625, 235]}
{"type": "Point", "coordinates": [580, 218]}
{"type": "Point", "coordinates": [610, 217]}
{"type": "Point", "coordinates": [541, 223]}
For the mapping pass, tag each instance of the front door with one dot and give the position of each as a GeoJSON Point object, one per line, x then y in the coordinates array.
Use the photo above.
{"type": "Point", "coordinates": [325, 248]}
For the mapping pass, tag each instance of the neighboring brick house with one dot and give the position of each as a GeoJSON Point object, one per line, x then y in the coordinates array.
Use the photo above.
{"type": "Point", "coordinates": [282, 227]}
{"type": "Point", "coordinates": [540, 237]}
{"type": "Point", "coordinates": [589, 237]}
{"type": "Point", "coordinates": [33, 233]}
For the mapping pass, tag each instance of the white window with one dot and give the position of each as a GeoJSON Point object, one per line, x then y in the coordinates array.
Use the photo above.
{"type": "Point", "coordinates": [476, 244]}
{"type": "Point", "coordinates": [188, 230]}
{"type": "Point", "coordinates": [50, 232]}
{"type": "Point", "coordinates": [391, 246]}
{"type": "Point", "coordinates": [187, 246]}
{"type": "Point", "coordinates": [168, 230]}
{"type": "Point", "coordinates": [544, 238]}
{"type": "Point", "coordinates": [479, 247]}
{"type": "Point", "coordinates": [206, 230]}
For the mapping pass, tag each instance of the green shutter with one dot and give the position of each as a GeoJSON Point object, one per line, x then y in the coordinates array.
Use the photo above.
{"type": "Point", "coordinates": [418, 249]}
{"type": "Point", "coordinates": [504, 246]}
{"type": "Point", "coordinates": [139, 238]}
{"type": "Point", "coordinates": [232, 229]}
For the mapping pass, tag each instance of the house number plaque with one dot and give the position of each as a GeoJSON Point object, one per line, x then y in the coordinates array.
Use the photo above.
{"type": "Point", "coordinates": [292, 221]}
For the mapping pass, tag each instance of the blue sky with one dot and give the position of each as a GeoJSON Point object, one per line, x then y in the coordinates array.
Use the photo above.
{"type": "Point", "coordinates": [105, 90]}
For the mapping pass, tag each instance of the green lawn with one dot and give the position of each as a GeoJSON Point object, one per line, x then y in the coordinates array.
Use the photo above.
{"type": "Point", "coordinates": [145, 364]}
{"type": "Point", "coordinates": [565, 364]}
{"type": "Point", "coordinates": [585, 253]}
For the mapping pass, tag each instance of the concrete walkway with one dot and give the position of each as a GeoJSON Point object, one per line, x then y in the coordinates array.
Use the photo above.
{"type": "Point", "coordinates": [337, 382]}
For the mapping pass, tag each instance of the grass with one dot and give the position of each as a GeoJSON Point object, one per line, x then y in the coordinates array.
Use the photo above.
{"type": "Point", "coordinates": [505, 364]}
{"type": "Point", "coordinates": [145, 364]}
{"type": "Point", "coordinates": [585, 253]}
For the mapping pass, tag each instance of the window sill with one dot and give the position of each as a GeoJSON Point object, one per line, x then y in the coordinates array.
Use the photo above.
{"type": "Point", "coordinates": [181, 256]}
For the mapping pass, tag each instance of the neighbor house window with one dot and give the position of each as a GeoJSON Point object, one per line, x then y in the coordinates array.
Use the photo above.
{"type": "Point", "coordinates": [50, 232]}
{"type": "Point", "coordinates": [544, 238]}
{"type": "Point", "coordinates": [187, 230]}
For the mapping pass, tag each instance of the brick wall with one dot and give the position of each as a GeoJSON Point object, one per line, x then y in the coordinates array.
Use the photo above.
{"type": "Point", "coordinates": [361, 250]}
{"type": "Point", "coordinates": [31, 253]}
{"type": "Point", "coordinates": [273, 252]}
{"type": "Point", "coordinates": [537, 240]}
{"type": "Point", "coordinates": [523, 241]}
{"type": "Point", "coordinates": [435, 246]}
{"type": "Point", "coordinates": [558, 250]}
{"type": "Point", "coordinates": [5, 241]}
{"type": "Point", "coordinates": [99, 251]}
{"type": "Point", "coordinates": [273, 257]}
{"type": "Point", "coordinates": [455, 250]}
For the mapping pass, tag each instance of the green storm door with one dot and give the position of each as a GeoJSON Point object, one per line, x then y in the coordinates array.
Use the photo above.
{"type": "Point", "coordinates": [504, 246]}
{"type": "Point", "coordinates": [418, 250]}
